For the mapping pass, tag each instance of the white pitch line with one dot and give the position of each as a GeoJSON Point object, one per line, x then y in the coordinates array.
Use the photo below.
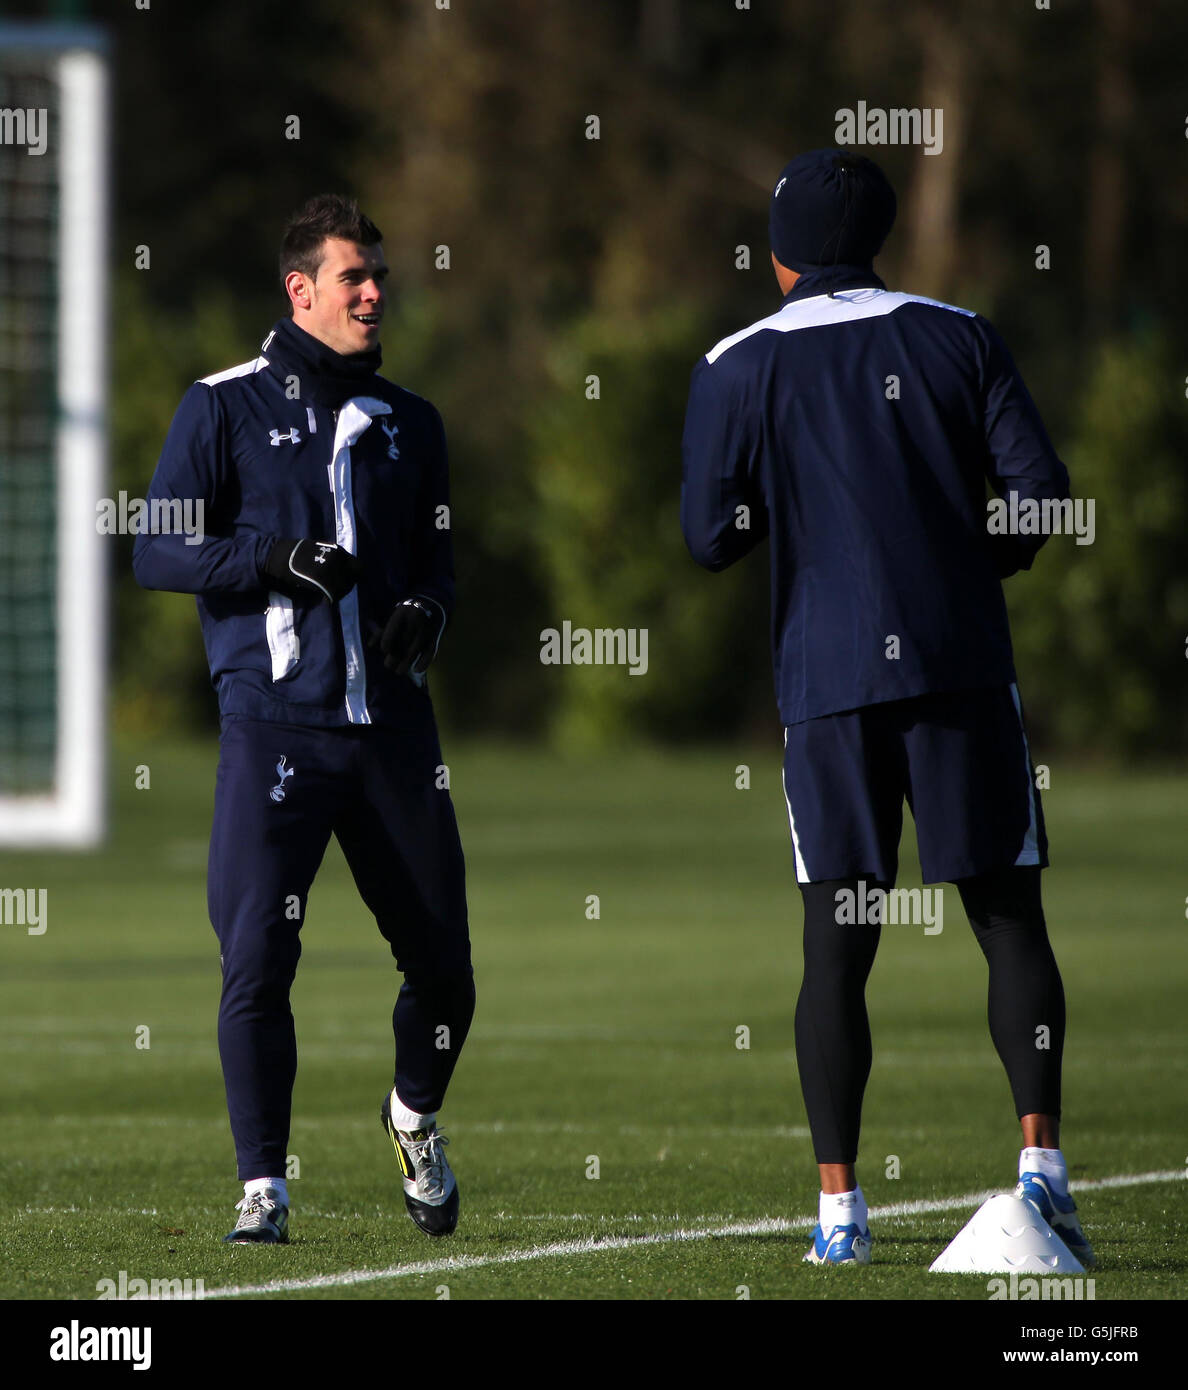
{"type": "Point", "coordinates": [89, 1210]}
{"type": "Point", "coordinates": [595, 1245]}
{"type": "Point", "coordinates": [900, 1209]}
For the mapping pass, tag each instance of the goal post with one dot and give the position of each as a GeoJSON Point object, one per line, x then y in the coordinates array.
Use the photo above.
{"type": "Point", "coordinates": [54, 194]}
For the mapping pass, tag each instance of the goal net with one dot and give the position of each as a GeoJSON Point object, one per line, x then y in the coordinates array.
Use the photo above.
{"type": "Point", "coordinates": [53, 282]}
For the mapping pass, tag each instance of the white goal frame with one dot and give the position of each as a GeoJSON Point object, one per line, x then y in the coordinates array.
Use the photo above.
{"type": "Point", "coordinates": [73, 815]}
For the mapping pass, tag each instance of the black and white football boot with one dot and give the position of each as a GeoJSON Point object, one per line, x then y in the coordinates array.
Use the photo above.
{"type": "Point", "coordinates": [430, 1188]}
{"type": "Point", "coordinates": [262, 1220]}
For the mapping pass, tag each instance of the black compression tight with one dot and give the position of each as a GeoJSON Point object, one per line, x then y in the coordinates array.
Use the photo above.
{"type": "Point", "coordinates": [1026, 994]}
{"type": "Point", "coordinates": [1026, 1002]}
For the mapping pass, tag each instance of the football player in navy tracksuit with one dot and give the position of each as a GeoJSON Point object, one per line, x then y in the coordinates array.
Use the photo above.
{"type": "Point", "coordinates": [857, 428]}
{"type": "Point", "coordinates": [324, 581]}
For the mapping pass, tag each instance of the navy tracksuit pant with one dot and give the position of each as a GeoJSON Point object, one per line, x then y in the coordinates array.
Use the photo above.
{"type": "Point", "coordinates": [282, 791]}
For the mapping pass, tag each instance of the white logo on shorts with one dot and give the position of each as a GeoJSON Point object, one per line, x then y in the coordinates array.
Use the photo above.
{"type": "Point", "coordinates": [278, 792]}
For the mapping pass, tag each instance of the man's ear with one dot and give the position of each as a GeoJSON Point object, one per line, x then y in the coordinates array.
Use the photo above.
{"type": "Point", "coordinates": [299, 288]}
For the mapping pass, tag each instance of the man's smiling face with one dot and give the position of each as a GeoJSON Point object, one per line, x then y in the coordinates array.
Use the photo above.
{"type": "Point", "coordinates": [344, 306]}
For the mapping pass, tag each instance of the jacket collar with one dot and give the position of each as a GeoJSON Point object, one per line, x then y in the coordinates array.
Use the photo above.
{"type": "Point", "coordinates": [827, 279]}
{"type": "Point", "coordinates": [326, 377]}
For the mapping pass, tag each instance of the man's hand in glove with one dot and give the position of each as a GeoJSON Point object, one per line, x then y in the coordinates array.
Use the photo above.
{"type": "Point", "coordinates": [300, 568]}
{"type": "Point", "coordinates": [1011, 553]}
{"type": "Point", "coordinates": [410, 638]}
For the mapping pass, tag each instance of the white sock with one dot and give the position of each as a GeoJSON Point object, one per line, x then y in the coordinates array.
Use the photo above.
{"type": "Point", "coordinates": [259, 1184]}
{"type": "Point", "coordinates": [1049, 1163]}
{"type": "Point", "coordinates": [403, 1117]}
{"type": "Point", "coordinates": [842, 1209]}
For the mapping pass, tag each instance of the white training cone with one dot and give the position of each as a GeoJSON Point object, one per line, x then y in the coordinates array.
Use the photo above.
{"type": "Point", "coordinates": [1007, 1234]}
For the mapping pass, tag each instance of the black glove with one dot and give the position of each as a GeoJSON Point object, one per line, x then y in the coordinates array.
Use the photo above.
{"type": "Point", "coordinates": [410, 638]}
{"type": "Point", "coordinates": [300, 568]}
{"type": "Point", "coordinates": [1010, 554]}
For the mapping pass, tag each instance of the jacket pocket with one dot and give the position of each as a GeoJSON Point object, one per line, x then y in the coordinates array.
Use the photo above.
{"type": "Point", "coordinates": [284, 645]}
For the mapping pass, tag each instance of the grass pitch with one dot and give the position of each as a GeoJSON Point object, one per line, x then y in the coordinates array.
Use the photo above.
{"type": "Point", "coordinates": [611, 1137]}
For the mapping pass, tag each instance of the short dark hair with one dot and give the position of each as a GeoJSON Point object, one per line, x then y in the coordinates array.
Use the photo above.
{"type": "Point", "coordinates": [326, 215]}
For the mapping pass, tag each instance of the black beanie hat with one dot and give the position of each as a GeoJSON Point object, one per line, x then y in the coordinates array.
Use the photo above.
{"type": "Point", "coordinates": [830, 207]}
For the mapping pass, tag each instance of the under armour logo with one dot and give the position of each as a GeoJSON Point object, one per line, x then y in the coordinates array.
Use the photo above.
{"type": "Point", "coordinates": [323, 548]}
{"type": "Point", "coordinates": [278, 792]}
{"type": "Point", "coordinates": [393, 451]}
{"type": "Point", "coordinates": [292, 437]}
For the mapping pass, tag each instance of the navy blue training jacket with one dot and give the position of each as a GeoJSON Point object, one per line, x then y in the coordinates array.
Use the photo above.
{"type": "Point", "coordinates": [371, 475]}
{"type": "Point", "coordinates": [858, 428]}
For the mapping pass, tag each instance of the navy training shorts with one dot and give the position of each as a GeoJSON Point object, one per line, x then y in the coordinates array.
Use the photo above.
{"type": "Point", "coordinates": [961, 760]}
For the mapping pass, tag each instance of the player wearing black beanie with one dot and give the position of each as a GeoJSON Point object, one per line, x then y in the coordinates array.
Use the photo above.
{"type": "Point", "coordinates": [858, 428]}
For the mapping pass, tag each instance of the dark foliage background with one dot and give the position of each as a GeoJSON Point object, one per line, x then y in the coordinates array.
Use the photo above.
{"type": "Point", "coordinates": [466, 128]}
